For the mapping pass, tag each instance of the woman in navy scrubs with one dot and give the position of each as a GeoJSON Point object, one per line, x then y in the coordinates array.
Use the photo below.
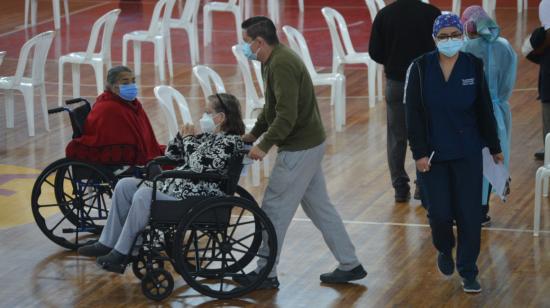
{"type": "Point", "coordinates": [450, 119]}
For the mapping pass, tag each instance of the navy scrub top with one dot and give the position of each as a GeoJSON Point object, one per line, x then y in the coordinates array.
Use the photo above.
{"type": "Point", "coordinates": [452, 116]}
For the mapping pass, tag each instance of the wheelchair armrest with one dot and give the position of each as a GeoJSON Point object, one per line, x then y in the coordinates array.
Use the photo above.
{"type": "Point", "coordinates": [163, 161]}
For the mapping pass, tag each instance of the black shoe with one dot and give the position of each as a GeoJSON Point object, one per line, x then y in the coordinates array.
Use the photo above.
{"type": "Point", "coordinates": [247, 279]}
{"type": "Point", "coordinates": [402, 196]}
{"type": "Point", "coordinates": [445, 264]}
{"type": "Point", "coordinates": [486, 221]}
{"type": "Point", "coordinates": [416, 195]}
{"type": "Point", "coordinates": [539, 155]}
{"type": "Point", "coordinates": [339, 276]}
{"type": "Point", "coordinates": [94, 250]}
{"type": "Point", "coordinates": [113, 262]}
{"type": "Point", "coordinates": [471, 285]}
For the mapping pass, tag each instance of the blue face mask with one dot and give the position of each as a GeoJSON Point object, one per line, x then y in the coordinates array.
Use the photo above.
{"type": "Point", "coordinates": [450, 47]}
{"type": "Point", "coordinates": [128, 92]}
{"type": "Point", "coordinates": [248, 51]}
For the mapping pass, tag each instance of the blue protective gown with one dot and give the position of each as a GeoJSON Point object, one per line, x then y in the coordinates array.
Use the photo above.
{"type": "Point", "coordinates": [500, 63]}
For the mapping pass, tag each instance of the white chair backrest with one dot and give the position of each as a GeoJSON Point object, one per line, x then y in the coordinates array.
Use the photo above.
{"type": "Point", "coordinates": [335, 22]}
{"type": "Point", "coordinates": [165, 96]}
{"type": "Point", "coordinates": [161, 24]}
{"type": "Point", "coordinates": [190, 12]}
{"type": "Point", "coordinates": [207, 78]}
{"type": "Point", "coordinates": [298, 44]}
{"type": "Point", "coordinates": [374, 7]}
{"type": "Point", "coordinates": [107, 23]}
{"type": "Point", "coordinates": [40, 45]}
{"type": "Point", "coordinates": [244, 67]}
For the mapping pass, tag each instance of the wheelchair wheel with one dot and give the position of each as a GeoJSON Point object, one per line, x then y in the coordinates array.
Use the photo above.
{"type": "Point", "coordinates": [139, 265]}
{"type": "Point", "coordinates": [70, 201]}
{"type": "Point", "coordinates": [157, 284]}
{"type": "Point", "coordinates": [218, 242]}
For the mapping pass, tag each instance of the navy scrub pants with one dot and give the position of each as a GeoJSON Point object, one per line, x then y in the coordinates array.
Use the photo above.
{"type": "Point", "coordinates": [451, 191]}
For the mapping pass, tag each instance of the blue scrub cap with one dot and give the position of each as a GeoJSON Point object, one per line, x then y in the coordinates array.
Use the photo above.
{"type": "Point", "coordinates": [447, 20]}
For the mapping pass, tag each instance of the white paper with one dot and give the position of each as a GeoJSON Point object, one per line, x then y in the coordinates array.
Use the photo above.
{"type": "Point", "coordinates": [496, 174]}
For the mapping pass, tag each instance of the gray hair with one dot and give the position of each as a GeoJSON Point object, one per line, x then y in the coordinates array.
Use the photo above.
{"type": "Point", "coordinates": [113, 73]}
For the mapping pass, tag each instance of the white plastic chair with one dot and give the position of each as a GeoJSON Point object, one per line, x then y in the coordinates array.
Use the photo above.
{"type": "Point", "coordinates": [273, 8]}
{"type": "Point", "coordinates": [541, 185]}
{"type": "Point", "coordinates": [165, 96]}
{"type": "Point", "coordinates": [188, 22]}
{"type": "Point", "coordinates": [344, 53]}
{"type": "Point", "coordinates": [208, 78]}
{"type": "Point", "coordinates": [40, 45]}
{"type": "Point", "coordinates": [97, 60]}
{"type": "Point", "coordinates": [374, 7]}
{"type": "Point", "coordinates": [253, 100]}
{"type": "Point", "coordinates": [158, 34]}
{"type": "Point", "coordinates": [33, 5]}
{"type": "Point", "coordinates": [232, 6]}
{"type": "Point", "coordinates": [336, 81]}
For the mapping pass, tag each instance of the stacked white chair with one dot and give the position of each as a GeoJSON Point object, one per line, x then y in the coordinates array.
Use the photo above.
{"type": "Point", "coordinates": [344, 53]}
{"type": "Point", "coordinates": [336, 81]}
{"type": "Point", "coordinates": [166, 96]}
{"type": "Point", "coordinates": [39, 45]}
{"type": "Point", "coordinates": [232, 6]}
{"type": "Point", "coordinates": [253, 100]}
{"type": "Point", "coordinates": [188, 22]}
{"type": "Point", "coordinates": [158, 34]}
{"type": "Point", "coordinates": [97, 60]}
{"type": "Point", "coordinates": [33, 6]}
{"type": "Point", "coordinates": [541, 185]}
{"type": "Point", "coordinates": [208, 79]}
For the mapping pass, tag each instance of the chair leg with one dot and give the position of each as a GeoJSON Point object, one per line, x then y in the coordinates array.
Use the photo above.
{"type": "Point", "coordinates": [538, 193]}
{"type": "Point", "coordinates": [137, 58]}
{"type": "Point", "coordinates": [255, 173]}
{"type": "Point", "coordinates": [66, 6]}
{"type": "Point", "coordinates": [207, 26]}
{"type": "Point", "coordinates": [28, 97]}
{"type": "Point", "coordinates": [545, 187]}
{"type": "Point", "coordinates": [342, 97]}
{"type": "Point", "coordinates": [34, 8]}
{"type": "Point", "coordinates": [159, 58]}
{"type": "Point", "coordinates": [371, 78]}
{"type": "Point", "coordinates": [266, 164]}
{"type": "Point", "coordinates": [124, 52]}
{"type": "Point", "coordinates": [44, 105]}
{"type": "Point", "coordinates": [193, 44]}
{"type": "Point", "coordinates": [27, 6]}
{"type": "Point", "coordinates": [60, 85]}
{"type": "Point", "coordinates": [9, 109]}
{"type": "Point", "coordinates": [56, 15]}
{"type": "Point", "coordinates": [238, 22]}
{"type": "Point", "coordinates": [76, 79]}
{"type": "Point", "coordinates": [168, 50]}
{"type": "Point", "coordinates": [379, 82]}
{"type": "Point", "coordinates": [98, 70]}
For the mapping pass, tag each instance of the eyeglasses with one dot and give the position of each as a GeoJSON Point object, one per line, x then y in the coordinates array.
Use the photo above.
{"type": "Point", "coordinates": [446, 37]}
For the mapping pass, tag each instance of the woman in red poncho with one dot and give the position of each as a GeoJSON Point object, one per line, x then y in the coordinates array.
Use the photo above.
{"type": "Point", "coordinates": [117, 129]}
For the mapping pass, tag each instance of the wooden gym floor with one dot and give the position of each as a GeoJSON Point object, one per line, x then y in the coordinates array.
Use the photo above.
{"type": "Point", "coordinates": [392, 240]}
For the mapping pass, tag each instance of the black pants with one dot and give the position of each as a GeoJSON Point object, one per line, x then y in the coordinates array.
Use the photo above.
{"type": "Point", "coordinates": [452, 190]}
{"type": "Point", "coordinates": [396, 135]}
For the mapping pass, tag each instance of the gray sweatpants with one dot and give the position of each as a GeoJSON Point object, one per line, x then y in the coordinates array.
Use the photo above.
{"type": "Point", "coordinates": [129, 214]}
{"type": "Point", "coordinates": [297, 177]}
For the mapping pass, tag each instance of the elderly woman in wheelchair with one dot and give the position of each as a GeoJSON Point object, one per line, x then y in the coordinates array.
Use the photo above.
{"type": "Point", "coordinates": [210, 151]}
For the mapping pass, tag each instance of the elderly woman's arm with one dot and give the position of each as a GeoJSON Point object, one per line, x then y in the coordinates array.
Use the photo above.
{"type": "Point", "coordinates": [177, 147]}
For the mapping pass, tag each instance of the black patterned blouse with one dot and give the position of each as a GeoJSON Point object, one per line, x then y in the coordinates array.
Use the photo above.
{"type": "Point", "coordinates": [200, 153]}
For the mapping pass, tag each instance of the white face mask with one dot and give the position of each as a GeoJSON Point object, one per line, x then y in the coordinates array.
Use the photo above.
{"type": "Point", "coordinates": [207, 123]}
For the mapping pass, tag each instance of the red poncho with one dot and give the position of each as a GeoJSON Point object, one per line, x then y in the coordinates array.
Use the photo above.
{"type": "Point", "coordinates": [116, 132]}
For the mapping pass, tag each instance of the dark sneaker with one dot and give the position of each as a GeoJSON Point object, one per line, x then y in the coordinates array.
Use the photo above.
{"type": "Point", "coordinates": [445, 264]}
{"type": "Point", "coordinates": [471, 285]}
{"type": "Point", "coordinates": [539, 155]}
{"type": "Point", "coordinates": [113, 262]}
{"type": "Point", "coordinates": [486, 221]}
{"type": "Point", "coordinates": [339, 276]}
{"type": "Point", "coordinates": [416, 191]}
{"type": "Point", "coordinates": [94, 250]}
{"type": "Point", "coordinates": [401, 197]}
{"type": "Point", "coordinates": [247, 279]}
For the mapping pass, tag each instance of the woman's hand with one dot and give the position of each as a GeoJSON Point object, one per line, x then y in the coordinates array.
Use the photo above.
{"type": "Point", "coordinates": [498, 158]}
{"type": "Point", "coordinates": [422, 165]}
{"type": "Point", "coordinates": [249, 138]}
{"type": "Point", "coordinates": [187, 129]}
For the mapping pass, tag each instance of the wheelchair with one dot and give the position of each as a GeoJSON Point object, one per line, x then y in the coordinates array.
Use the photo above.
{"type": "Point", "coordinates": [70, 198]}
{"type": "Point", "coordinates": [208, 241]}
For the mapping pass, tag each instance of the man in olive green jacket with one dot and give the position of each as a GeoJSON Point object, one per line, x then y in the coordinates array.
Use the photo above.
{"type": "Point", "coordinates": [290, 120]}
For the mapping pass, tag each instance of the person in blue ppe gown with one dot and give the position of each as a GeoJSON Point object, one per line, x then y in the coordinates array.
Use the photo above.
{"type": "Point", "coordinates": [483, 40]}
{"type": "Point", "coordinates": [450, 118]}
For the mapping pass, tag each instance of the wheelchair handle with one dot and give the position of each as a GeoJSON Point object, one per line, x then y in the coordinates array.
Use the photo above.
{"type": "Point", "coordinates": [56, 110]}
{"type": "Point", "coordinates": [76, 100]}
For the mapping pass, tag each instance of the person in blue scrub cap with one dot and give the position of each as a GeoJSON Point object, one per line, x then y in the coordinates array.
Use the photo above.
{"type": "Point", "coordinates": [483, 40]}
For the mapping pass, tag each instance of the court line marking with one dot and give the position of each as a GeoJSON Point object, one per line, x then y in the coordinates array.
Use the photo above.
{"type": "Point", "coordinates": [62, 18]}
